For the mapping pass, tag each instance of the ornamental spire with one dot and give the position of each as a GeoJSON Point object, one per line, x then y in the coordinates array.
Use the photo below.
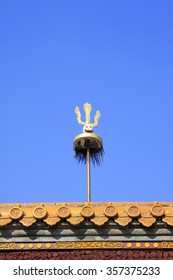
{"type": "Point", "coordinates": [88, 126]}
{"type": "Point", "coordinates": [88, 146]}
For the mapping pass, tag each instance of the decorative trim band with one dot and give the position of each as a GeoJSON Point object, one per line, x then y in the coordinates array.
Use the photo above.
{"type": "Point", "coordinates": [78, 245]}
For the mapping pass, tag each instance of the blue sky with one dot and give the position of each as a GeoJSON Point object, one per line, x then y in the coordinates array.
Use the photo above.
{"type": "Point", "coordinates": [55, 55]}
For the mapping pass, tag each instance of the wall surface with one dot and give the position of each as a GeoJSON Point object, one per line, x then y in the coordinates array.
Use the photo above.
{"type": "Point", "coordinates": [149, 254]}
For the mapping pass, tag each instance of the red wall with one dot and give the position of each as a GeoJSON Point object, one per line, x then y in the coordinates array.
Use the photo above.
{"type": "Point", "coordinates": [146, 254]}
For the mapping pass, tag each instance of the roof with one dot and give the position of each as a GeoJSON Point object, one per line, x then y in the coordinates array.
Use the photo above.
{"type": "Point", "coordinates": [99, 213]}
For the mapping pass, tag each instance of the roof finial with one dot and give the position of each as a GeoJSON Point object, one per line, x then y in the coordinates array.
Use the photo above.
{"type": "Point", "coordinates": [88, 145]}
{"type": "Point", "coordinates": [88, 126]}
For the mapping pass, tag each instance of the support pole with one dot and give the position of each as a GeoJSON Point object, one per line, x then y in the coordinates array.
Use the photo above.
{"type": "Point", "coordinates": [88, 176]}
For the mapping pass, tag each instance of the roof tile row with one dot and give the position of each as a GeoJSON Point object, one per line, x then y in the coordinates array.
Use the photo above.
{"type": "Point", "coordinates": [147, 214]}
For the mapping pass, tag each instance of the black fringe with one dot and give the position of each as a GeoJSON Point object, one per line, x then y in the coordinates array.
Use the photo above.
{"type": "Point", "coordinates": [96, 157]}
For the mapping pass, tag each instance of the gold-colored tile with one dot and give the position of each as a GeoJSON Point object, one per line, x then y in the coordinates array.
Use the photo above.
{"type": "Point", "coordinates": [21, 246]}
{"type": "Point", "coordinates": [129, 245]}
{"type": "Point", "coordinates": [39, 245]}
{"type": "Point", "coordinates": [48, 245]}
{"type": "Point", "coordinates": [155, 245]}
{"type": "Point", "coordinates": [30, 246]}
{"type": "Point", "coordinates": [138, 244]}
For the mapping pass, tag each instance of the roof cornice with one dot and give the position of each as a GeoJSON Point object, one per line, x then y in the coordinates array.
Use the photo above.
{"type": "Point", "coordinates": [99, 213]}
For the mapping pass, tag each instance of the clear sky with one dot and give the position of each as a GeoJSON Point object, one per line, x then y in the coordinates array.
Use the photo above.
{"type": "Point", "coordinates": [117, 55]}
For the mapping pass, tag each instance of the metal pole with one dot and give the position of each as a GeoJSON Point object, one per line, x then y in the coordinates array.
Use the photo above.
{"type": "Point", "coordinates": [88, 175]}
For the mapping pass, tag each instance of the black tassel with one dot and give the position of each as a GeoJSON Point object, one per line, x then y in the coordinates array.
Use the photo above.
{"type": "Point", "coordinates": [96, 150]}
